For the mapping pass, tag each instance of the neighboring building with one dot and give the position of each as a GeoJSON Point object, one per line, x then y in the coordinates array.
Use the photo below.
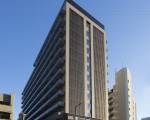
{"type": "Point", "coordinates": [6, 106]}
{"type": "Point", "coordinates": [71, 69]}
{"type": "Point", "coordinates": [122, 105]}
{"type": "Point", "coordinates": [146, 118]}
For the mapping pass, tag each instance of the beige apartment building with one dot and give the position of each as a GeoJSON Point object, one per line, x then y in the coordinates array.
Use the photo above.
{"type": "Point", "coordinates": [122, 104]}
{"type": "Point", "coordinates": [6, 106]}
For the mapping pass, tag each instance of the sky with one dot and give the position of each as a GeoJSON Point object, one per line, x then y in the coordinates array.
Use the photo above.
{"type": "Point", "coordinates": [24, 25]}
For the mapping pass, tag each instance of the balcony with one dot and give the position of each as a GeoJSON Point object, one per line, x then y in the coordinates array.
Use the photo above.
{"type": "Point", "coordinates": [6, 108]}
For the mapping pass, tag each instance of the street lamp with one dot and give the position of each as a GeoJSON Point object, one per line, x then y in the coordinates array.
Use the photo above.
{"type": "Point", "coordinates": [77, 107]}
{"type": "Point", "coordinates": [24, 116]}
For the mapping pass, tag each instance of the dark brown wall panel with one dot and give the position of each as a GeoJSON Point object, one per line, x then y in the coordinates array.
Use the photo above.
{"type": "Point", "coordinates": [76, 69]}
{"type": "Point", "coordinates": [99, 73]}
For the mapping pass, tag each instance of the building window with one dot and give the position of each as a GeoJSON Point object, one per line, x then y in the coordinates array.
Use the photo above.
{"type": "Point", "coordinates": [4, 115]}
{"type": "Point", "coordinates": [6, 100]}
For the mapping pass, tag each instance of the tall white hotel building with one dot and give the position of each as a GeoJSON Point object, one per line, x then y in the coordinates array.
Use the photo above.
{"type": "Point", "coordinates": [70, 72]}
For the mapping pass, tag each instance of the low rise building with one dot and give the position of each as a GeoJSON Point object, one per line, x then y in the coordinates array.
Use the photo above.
{"type": "Point", "coordinates": [6, 106]}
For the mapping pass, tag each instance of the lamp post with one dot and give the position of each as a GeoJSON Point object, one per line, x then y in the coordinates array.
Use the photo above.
{"type": "Point", "coordinates": [24, 116]}
{"type": "Point", "coordinates": [76, 108]}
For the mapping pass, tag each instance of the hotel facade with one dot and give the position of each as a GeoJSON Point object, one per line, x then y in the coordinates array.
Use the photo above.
{"type": "Point", "coordinates": [70, 72]}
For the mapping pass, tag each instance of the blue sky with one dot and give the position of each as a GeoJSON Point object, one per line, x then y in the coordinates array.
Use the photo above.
{"type": "Point", "coordinates": [24, 25]}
